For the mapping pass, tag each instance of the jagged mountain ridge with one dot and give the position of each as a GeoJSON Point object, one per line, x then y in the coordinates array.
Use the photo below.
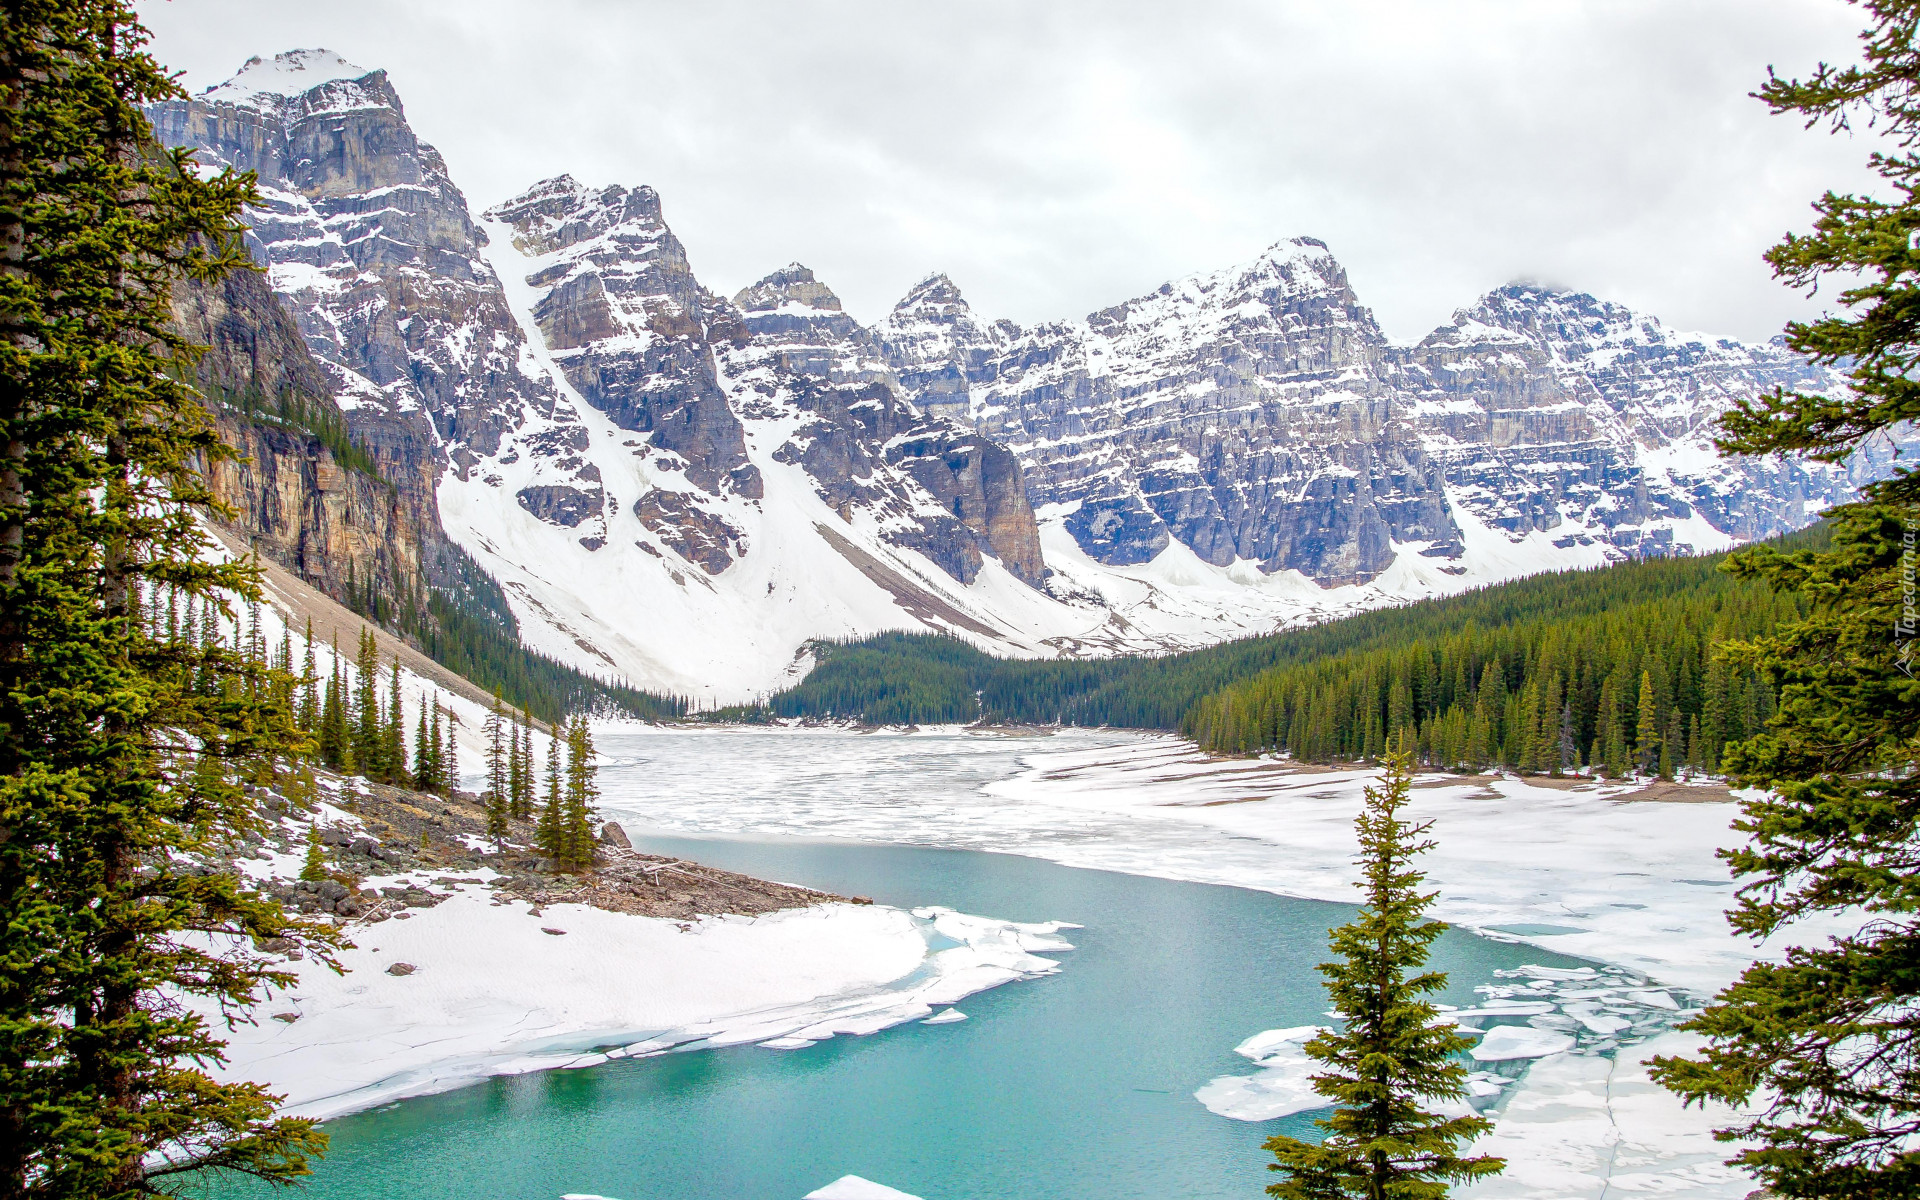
{"type": "Point", "coordinates": [682, 489]}
{"type": "Point", "coordinates": [660, 500]}
{"type": "Point", "coordinates": [1259, 413]}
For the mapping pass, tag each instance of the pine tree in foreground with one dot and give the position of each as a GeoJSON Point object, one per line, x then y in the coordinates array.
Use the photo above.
{"type": "Point", "coordinates": [122, 752]}
{"type": "Point", "coordinates": [1391, 1061]}
{"type": "Point", "coordinates": [1826, 1044]}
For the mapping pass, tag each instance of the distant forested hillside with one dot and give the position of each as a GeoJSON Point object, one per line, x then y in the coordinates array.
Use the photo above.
{"type": "Point", "coordinates": [1614, 666]}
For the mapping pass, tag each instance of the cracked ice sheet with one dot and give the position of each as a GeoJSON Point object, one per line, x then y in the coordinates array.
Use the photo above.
{"type": "Point", "coordinates": [1583, 870]}
{"type": "Point", "coordinates": [1581, 1127]}
{"type": "Point", "coordinates": [493, 994]}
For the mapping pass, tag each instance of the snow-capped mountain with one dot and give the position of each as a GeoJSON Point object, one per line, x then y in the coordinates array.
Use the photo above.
{"type": "Point", "coordinates": [682, 489]}
{"type": "Point", "coordinates": [664, 494]}
{"type": "Point", "coordinates": [1259, 414]}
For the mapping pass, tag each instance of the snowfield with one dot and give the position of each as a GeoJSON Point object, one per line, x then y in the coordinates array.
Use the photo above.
{"type": "Point", "coordinates": [495, 989]}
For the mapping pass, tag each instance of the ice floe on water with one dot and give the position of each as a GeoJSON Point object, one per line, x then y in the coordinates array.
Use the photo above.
{"type": "Point", "coordinates": [1544, 1011]}
{"type": "Point", "coordinates": [1283, 1087]}
{"type": "Point", "coordinates": [852, 1187]}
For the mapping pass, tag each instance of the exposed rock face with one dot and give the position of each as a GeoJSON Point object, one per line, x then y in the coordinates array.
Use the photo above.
{"type": "Point", "coordinates": [370, 245]}
{"type": "Point", "coordinates": [628, 323]}
{"type": "Point", "coordinates": [337, 526]}
{"type": "Point", "coordinates": [865, 447]}
{"type": "Point", "coordinates": [937, 349]}
{"type": "Point", "coordinates": [1259, 414]}
{"type": "Point", "coordinates": [1553, 408]}
{"type": "Point", "coordinates": [638, 337]}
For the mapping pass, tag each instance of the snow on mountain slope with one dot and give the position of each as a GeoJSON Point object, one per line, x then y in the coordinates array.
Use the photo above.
{"type": "Point", "coordinates": [701, 562]}
{"type": "Point", "coordinates": [682, 490]}
{"type": "Point", "coordinates": [1258, 414]}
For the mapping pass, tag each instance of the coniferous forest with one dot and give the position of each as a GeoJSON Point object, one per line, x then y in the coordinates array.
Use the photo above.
{"type": "Point", "coordinates": [1613, 668]}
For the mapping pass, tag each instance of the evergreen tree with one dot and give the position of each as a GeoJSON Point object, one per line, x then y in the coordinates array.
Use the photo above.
{"type": "Point", "coordinates": [519, 795]}
{"type": "Point", "coordinates": [547, 835]}
{"type": "Point", "coordinates": [121, 754]}
{"type": "Point", "coordinates": [309, 686]}
{"type": "Point", "coordinates": [314, 868]}
{"type": "Point", "coordinates": [443, 765]}
{"type": "Point", "coordinates": [1823, 1043]}
{"type": "Point", "coordinates": [496, 799]}
{"type": "Point", "coordinates": [1646, 736]}
{"type": "Point", "coordinates": [393, 738]}
{"type": "Point", "coordinates": [426, 771]}
{"type": "Point", "coordinates": [336, 735]}
{"type": "Point", "coordinates": [1391, 1060]}
{"type": "Point", "coordinates": [369, 739]}
{"type": "Point", "coordinates": [576, 828]}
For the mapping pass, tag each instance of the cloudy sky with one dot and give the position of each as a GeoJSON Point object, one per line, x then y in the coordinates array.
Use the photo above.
{"type": "Point", "coordinates": [1058, 156]}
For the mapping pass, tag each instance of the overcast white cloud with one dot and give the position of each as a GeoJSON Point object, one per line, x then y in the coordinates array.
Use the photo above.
{"type": "Point", "coordinates": [1057, 157]}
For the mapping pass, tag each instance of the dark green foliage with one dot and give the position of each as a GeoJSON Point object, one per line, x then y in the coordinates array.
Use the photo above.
{"type": "Point", "coordinates": [497, 801]}
{"type": "Point", "coordinates": [1826, 1044]}
{"type": "Point", "coordinates": [314, 867]}
{"type": "Point", "coordinates": [1389, 1061]}
{"type": "Point", "coordinates": [369, 744]}
{"type": "Point", "coordinates": [547, 834]}
{"type": "Point", "coordinates": [574, 846]}
{"type": "Point", "coordinates": [126, 733]}
{"type": "Point", "coordinates": [565, 830]}
{"type": "Point", "coordinates": [1511, 693]}
{"type": "Point", "coordinates": [393, 732]}
{"type": "Point", "coordinates": [1568, 651]}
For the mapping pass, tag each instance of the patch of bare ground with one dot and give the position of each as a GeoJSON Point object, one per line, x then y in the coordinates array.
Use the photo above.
{"type": "Point", "coordinates": [405, 831]}
{"type": "Point", "coordinates": [649, 885]}
{"type": "Point", "coordinates": [1662, 791]}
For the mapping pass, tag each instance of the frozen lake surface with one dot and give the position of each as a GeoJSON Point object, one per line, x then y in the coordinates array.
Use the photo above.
{"type": "Point", "coordinates": [1076, 1085]}
{"type": "Point", "coordinates": [1083, 1083]}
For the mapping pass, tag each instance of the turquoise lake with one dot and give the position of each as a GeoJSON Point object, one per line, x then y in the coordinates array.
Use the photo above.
{"type": "Point", "coordinates": [1076, 1085]}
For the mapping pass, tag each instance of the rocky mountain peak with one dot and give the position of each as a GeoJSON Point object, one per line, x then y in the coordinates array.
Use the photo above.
{"type": "Point", "coordinates": [559, 213]}
{"type": "Point", "coordinates": [936, 294]}
{"type": "Point", "coordinates": [792, 284]}
{"type": "Point", "coordinates": [937, 347]}
{"type": "Point", "coordinates": [286, 75]}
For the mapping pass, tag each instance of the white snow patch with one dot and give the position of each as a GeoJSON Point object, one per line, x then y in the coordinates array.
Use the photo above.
{"type": "Point", "coordinates": [852, 1187]}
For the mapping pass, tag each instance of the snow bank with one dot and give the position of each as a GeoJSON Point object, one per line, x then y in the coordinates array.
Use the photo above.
{"type": "Point", "coordinates": [495, 990]}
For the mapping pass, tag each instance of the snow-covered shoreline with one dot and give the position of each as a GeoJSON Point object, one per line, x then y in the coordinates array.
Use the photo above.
{"type": "Point", "coordinates": [498, 989]}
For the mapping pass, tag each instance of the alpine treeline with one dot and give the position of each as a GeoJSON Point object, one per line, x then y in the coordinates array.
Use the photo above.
{"type": "Point", "coordinates": [1638, 687]}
